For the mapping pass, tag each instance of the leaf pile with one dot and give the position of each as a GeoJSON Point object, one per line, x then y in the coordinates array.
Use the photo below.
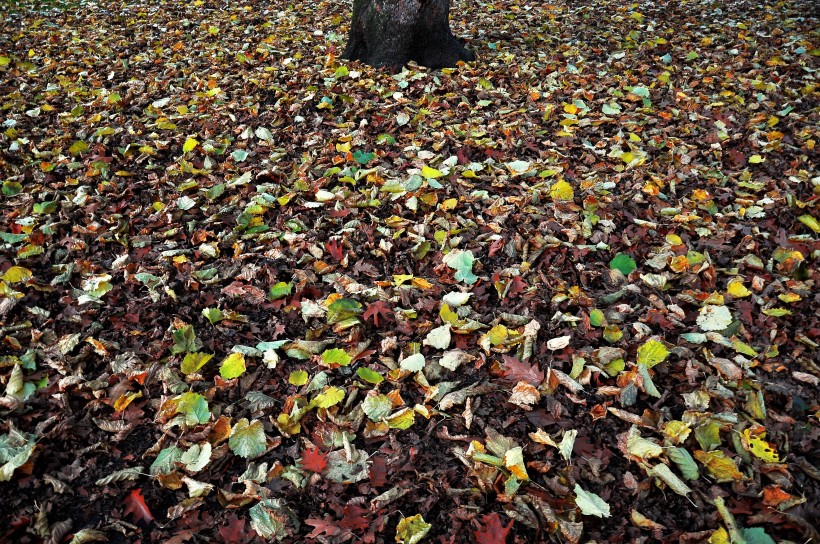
{"type": "Point", "coordinates": [251, 291]}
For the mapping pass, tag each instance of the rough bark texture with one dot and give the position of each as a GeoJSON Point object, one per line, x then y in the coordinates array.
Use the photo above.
{"type": "Point", "coordinates": [394, 32]}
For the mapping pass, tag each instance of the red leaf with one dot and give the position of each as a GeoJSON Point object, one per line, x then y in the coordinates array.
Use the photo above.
{"type": "Point", "coordinates": [518, 286]}
{"type": "Point", "coordinates": [336, 250]}
{"type": "Point", "coordinates": [496, 246]}
{"type": "Point", "coordinates": [234, 531]}
{"type": "Point", "coordinates": [378, 308]}
{"type": "Point", "coordinates": [313, 460]}
{"type": "Point", "coordinates": [491, 531]}
{"type": "Point", "coordinates": [326, 526]}
{"type": "Point", "coordinates": [378, 471]}
{"type": "Point", "coordinates": [356, 517]}
{"type": "Point", "coordinates": [516, 371]}
{"type": "Point", "coordinates": [135, 507]}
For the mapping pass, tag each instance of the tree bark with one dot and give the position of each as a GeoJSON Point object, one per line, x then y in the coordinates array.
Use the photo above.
{"type": "Point", "coordinates": [394, 32]}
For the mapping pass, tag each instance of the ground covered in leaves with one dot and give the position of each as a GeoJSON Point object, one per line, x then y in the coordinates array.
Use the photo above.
{"type": "Point", "coordinates": [566, 293]}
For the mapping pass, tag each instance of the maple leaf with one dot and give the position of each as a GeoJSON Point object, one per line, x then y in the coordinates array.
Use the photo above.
{"type": "Point", "coordinates": [313, 460]}
{"type": "Point", "coordinates": [355, 518]}
{"type": "Point", "coordinates": [135, 507]}
{"type": "Point", "coordinates": [379, 308]}
{"type": "Point", "coordinates": [516, 371]}
{"type": "Point", "coordinates": [234, 532]}
{"type": "Point", "coordinates": [491, 530]}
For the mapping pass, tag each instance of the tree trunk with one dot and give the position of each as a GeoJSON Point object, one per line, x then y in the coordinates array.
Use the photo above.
{"type": "Point", "coordinates": [394, 32]}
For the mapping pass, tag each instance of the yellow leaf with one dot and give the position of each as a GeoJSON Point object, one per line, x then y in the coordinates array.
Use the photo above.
{"type": "Point", "coordinates": [343, 147]}
{"type": "Point", "coordinates": [189, 145]}
{"type": "Point", "coordinates": [449, 204]}
{"type": "Point", "coordinates": [788, 298]}
{"type": "Point", "coordinates": [759, 447]}
{"type": "Point", "coordinates": [4, 61]}
{"type": "Point", "coordinates": [399, 279]}
{"type": "Point", "coordinates": [469, 174]}
{"type": "Point", "coordinates": [720, 537]}
{"type": "Point", "coordinates": [756, 159]}
{"type": "Point", "coordinates": [674, 239]}
{"type": "Point", "coordinates": [561, 190]}
{"type": "Point", "coordinates": [721, 467]}
{"type": "Point", "coordinates": [737, 289]}
{"type": "Point", "coordinates": [810, 222]}
{"type": "Point", "coordinates": [421, 283]}
{"type": "Point", "coordinates": [17, 274]}
{"type": "Point", "coordinates": [572, 109]}
{"type": "Point", "coordinates": [194, 361]}
{"type": "Point", "coordinates": [432, 173]}
{"type": "Point", "coordinates": [122, 403]}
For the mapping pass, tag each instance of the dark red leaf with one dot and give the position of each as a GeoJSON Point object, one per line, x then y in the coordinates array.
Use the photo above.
{"type": "Point", "coordinates": [378, 308]}
{"type": "Point", "coordinates": [491, 531]}
{"type": "Point", "coordinates": [234, 532]}
{"type": "Point", "coordinates": [356, 518]}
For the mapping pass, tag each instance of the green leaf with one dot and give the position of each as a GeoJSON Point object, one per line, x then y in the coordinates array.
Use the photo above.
{"type": "Point", "coordinates": [685, 462]}
{"type": "Point", "coordinates": [336, 357]}
{"type": "Point", "coordinates": [248, 439]}
{"type": "Point", "coordinates": [596, 318]}
{"type": "Point", "coordinates": [652, 353]}
{"type": "Point", "coordinates": [341, 71]}
{"type": "Point", "coordinates": [197, 457]}
{"type": "Point", "coordinates": [590, 503]}
{"type": "Point", "coordinates": [462, 262]}
{"type": "Point", "coordinates": [233, 366]}
{"type": "Point", "coordinates": [185, 340]}
{"type": "Point", "coordinates": [412, 363]}
{"type": "Point", "coordinates": [411, 530]}
{"type": "Point", "coordinates": [363, 158]}
{"type": "Point", "coordinates": [369, 375]}
{"type": "Point", "coordinates": [265, 524]}
{"type": "Point", "coordinates": [714, 318]}
{"type": "Point", "coordinates": [624, 263]}
{"type": "Point", "coordinates": [15, 450]}
{"type": "Point", "coordinates": [331, 396]}
{"type": "Point", "coordinates": [11, 188]}
{"type": "Point", "coordinates": [166, 461]}
{"type": "Point", "coordinates": [213, 315]}
{"type": "Point", "coordinates": [78, 147]}
{"type": "Point", "coordinates": [194, 361]}
{"type": "Point", "coordinates": [194, 407]}
{"type": "Point", "coordinates": [757, 535]}
{"type": "Point", "coordinates": [280, 290]}
{"type": "Point", "coordinates": [377, 407]}
{"type": "Point", "coordinates": [611, 109]}
{"type": "Point", "coordinates": [343, 309]}
{"type": "Point", "coordinates": [239, 155]}
{"type": "Point", "coordinates": [665, 474]}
